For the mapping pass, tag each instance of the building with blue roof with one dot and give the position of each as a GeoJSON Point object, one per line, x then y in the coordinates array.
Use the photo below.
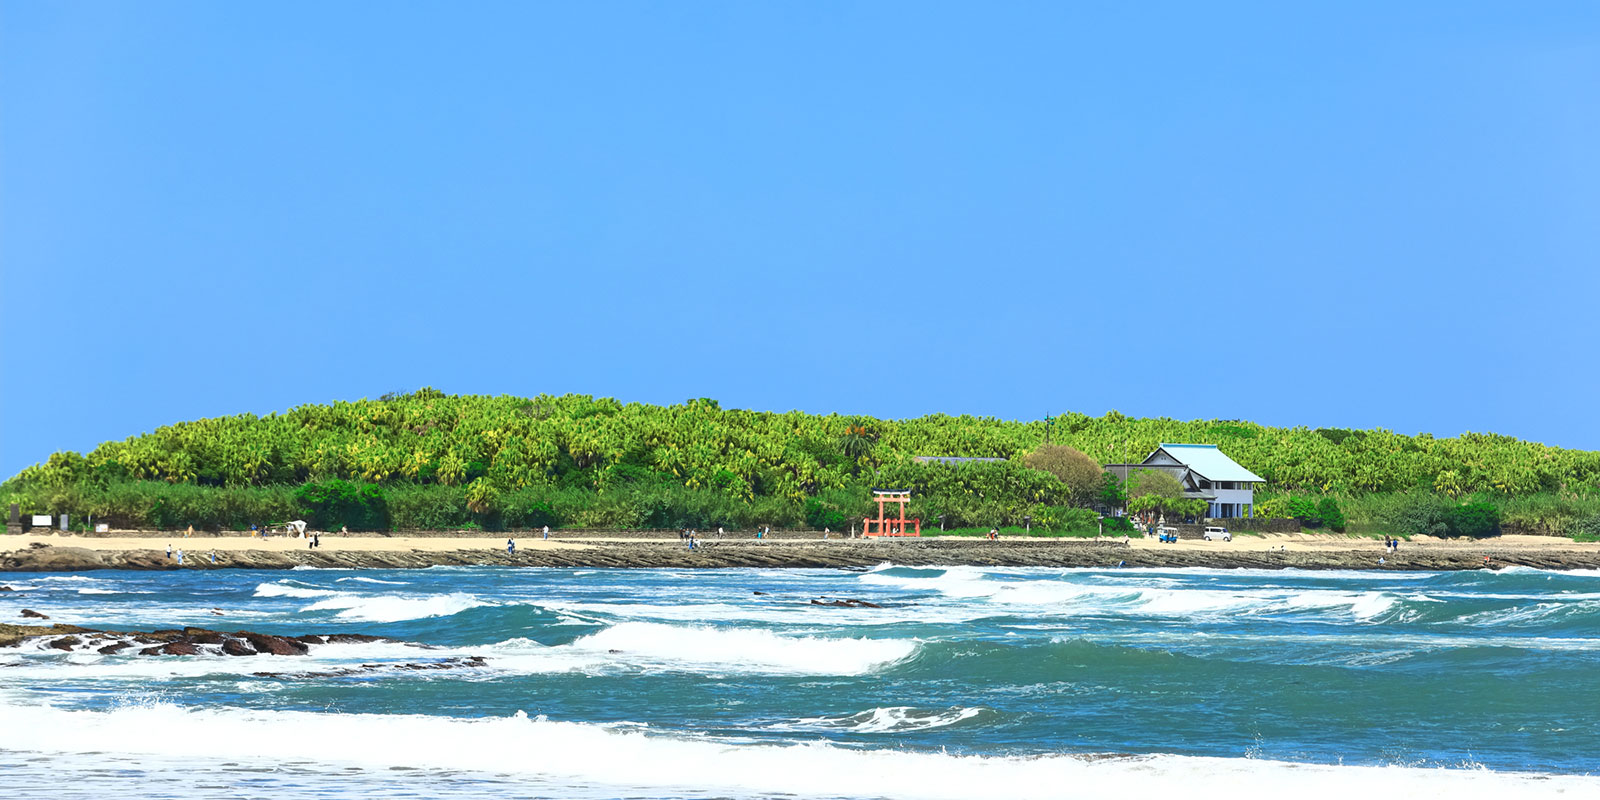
{"type": "Point", "coordinates": [1206, 473]}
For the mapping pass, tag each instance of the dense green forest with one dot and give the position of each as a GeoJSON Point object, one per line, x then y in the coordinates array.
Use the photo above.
{"type": "Point", "coordinates": [431, 460]}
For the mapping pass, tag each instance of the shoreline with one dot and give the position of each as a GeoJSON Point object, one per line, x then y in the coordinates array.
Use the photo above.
{"type": "Point", "coordinates": [71, 553]}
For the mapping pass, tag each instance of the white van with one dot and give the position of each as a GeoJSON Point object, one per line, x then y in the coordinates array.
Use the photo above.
{"type": "Point", "coordinates": [1213, 534]}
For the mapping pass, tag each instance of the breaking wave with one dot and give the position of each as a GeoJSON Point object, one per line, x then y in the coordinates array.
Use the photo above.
{"type": "Point", "coordinates": [749, 649]}
{"type": "Point", "coordinates": [283, 589]}
{"type": "Point", "coordinates": [393, 608]}
{"type": "Point", "coordinates": [894, 719]}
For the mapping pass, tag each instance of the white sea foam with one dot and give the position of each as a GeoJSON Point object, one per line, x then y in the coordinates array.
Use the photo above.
{"type": "Point", "coordinates": [370, 580]}
{"type": "Point", "coordinates": [893, 719]}
{"type": "Point", "coordinates": [283, 589]}
{"type": "Point", "coordinates": [1518, 569]}
{"type": "Point", "coordinates": [1059, 596]}
{"type": "Point", "coordinates": [93, 590]}
{"type": "Point", "coordinates": [576, 754]}
{"type": "Point", "coordinates": [743, 650]}
{"type": "Point", "coordinates": [395, 608]}
{"type": "Point", "coordinates": [795, 610]}
{"type": "Point", "coordinates": [1536, 614]}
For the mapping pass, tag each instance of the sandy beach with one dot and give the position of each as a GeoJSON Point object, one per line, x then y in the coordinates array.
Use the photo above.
{"type": "Point", "coordinates": [148, 550]}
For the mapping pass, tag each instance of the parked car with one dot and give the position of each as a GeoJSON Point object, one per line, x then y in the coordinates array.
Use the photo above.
{"type": "Point", "coordinates": [1213, 534]}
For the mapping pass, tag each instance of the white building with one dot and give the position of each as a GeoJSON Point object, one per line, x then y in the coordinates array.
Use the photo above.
{"type": "Point", "coordinates": [1206, 474]}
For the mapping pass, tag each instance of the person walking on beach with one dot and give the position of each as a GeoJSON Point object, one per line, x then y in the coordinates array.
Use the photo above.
{"type": "Point", "coordinates": [511, 546]}
{"type": "Point", "coordinates": [169, 551]}
{"type": "Point", "coordinates": [547, 533]}
{"type": "Point", "coordinates": [213, 556]}
{"type": "Point", "coordinates": [180, 558]}
{"type": "Point", "coordinates": [188, 533]}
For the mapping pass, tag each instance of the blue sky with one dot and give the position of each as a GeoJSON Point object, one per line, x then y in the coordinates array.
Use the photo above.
{"type": "Point", "coordinates": [1322, 214]}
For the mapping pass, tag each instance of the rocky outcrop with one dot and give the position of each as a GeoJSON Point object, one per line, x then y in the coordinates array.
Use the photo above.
{"type": "Point", "coordinates": [28, 613]}
{"type": "Point", "coordinates": [12, 634]}
{"type": "Point", "coordinates": [844, 603]}
{"type": "Point", "coordinates": [184, 642]}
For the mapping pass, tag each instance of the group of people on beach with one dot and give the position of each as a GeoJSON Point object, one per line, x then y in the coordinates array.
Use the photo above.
{"type": "Point", "coordinates": [1391, 544]}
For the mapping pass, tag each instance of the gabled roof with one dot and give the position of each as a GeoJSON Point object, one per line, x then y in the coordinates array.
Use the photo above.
{"type": "Point", "coordinates": [1210, 462]}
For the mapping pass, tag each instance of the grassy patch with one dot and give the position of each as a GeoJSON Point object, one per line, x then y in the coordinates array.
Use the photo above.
{"type": "Point", "coordinates": [1586, 537]}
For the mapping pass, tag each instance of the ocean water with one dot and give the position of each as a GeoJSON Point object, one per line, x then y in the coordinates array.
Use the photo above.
{"type": "Point", "coordinates": [967, 683]}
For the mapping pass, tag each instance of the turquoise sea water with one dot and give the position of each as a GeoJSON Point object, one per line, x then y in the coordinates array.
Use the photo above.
{"type": "Point", "coordinates": [730, 683]}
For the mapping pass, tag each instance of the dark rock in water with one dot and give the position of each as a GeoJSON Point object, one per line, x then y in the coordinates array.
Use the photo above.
{"type": "Point", "coordinates": [846, 603]}
{"type": "Point", "coordinates": [6, 589]}
{"type": "Point", "coordinates": [15, 634]}
{"type": "Point", "coordinates": [31, 614]}
{"type": "Point", "coordinates": [449, 663]}
{"type": "Point", "coordinates": [238, 647]}
{"type": "Point", "coordinates": [758, 593]}
{"type": "Point", "coordinates": [173, 642]}
{"type": "Point", "coordinates": [342, 638]}
{"type": "Point", "coordinates": [203, 636]}
{"type": "Point", "coordinates": [275, 645]}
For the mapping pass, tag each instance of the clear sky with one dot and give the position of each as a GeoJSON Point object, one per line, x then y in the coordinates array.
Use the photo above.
{"type": "Point", "coordinates": [1325, 214]}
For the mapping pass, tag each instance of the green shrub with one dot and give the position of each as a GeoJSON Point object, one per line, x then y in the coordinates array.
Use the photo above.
{"type": "Point", "coordinates": [1117, 524]}
{"type": "Point", "coordinates": [1413, 514]}
{"type": "Point", "coordinates": [1328, 514]}
{"type": "Point", "coordinates": [335, 503]}
{"type": "Point", "coordinates": [1305, 510]}
{"type": "Point", "coordinates": [820, 515]}
{"type": "Point", "coordinates": [1587, 529]}
{"type": "Point", "coordinates": [1474, 520]}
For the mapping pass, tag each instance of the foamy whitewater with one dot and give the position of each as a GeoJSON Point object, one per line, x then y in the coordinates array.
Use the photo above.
{"type": "Point", "coordinates": [966, 683]}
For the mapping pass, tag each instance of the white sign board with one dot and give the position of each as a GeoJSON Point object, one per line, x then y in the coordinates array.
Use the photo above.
{"type": "Point", "coordinates": [41, 520]}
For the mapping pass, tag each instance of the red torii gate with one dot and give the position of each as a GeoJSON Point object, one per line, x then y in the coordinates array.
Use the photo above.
{"type": "Point", "coordinates": [883, 525]}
